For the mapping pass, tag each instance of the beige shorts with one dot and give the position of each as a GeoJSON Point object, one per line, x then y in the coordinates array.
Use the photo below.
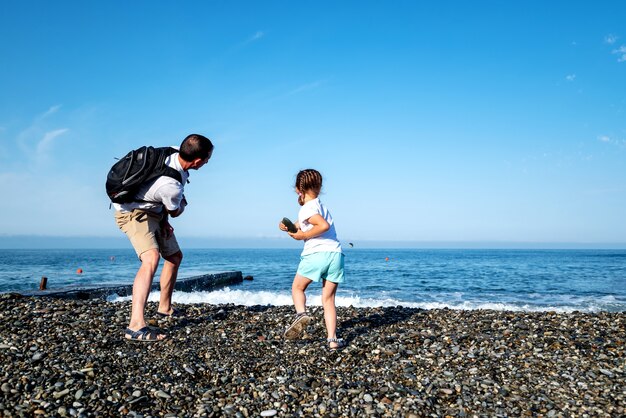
{"type": "Point", "coordinates": [143, 228]}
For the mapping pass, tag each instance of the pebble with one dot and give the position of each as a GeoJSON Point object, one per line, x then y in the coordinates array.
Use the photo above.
{"type": "Point", "coordinates": [399, 362]}
{"type": "Point", "coordinates": [60, 394]}
{"type": "Point", "coordinates": [162, 394]}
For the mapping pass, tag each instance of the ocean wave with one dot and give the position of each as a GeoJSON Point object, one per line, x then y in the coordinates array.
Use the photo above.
{"type": "Point", "coordinates": [253, 298]}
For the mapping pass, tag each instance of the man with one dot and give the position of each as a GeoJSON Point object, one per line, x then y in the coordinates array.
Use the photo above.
{"type": "Point", "coordinates": [145, 222]}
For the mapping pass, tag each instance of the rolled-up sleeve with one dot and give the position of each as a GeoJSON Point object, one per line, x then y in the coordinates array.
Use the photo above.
{"type": "Point", "coordinates": [171, 195]}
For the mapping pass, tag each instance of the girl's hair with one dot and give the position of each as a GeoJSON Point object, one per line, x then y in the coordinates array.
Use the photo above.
{"type": "Point", "coordinates": [308, 180]}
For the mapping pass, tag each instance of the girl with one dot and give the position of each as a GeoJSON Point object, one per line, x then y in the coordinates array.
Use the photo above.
{"type": "Point", "coordinates": [321, 258]}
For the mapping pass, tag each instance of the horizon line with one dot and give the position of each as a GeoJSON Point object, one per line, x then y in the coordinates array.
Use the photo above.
{"type": "Point", "coordinates": [110, 242]}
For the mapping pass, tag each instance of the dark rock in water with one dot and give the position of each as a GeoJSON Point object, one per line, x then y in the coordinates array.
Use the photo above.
{"type": "Point", "coordinates": [10, 295]}
{"type": "Point", "coordinates": [248, 278]}
{"type": "Point", "coordinates": [61, 357]}
{"type": "Point", "coordinates": [203, 282]}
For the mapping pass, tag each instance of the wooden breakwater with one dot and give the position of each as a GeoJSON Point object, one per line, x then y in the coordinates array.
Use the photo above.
{"type": "Point", "coordinates": [189, 284]}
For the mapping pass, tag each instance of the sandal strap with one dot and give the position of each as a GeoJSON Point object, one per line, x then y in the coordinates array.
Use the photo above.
{"type": "Point", "coordinates": [334, 340]}
{"type": "Point", "coordinates": [145, 333]}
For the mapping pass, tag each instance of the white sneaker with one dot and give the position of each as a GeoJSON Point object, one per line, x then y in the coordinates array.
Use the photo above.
{"type": "Point", "coordinates": [297, 327]}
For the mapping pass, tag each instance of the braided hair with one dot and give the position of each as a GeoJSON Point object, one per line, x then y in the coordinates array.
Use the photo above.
{"type": "Point", "coordinates": [308, 180]}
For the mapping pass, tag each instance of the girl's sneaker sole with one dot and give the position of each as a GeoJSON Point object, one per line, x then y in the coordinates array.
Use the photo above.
{"type": "Point", "coordinates": [297, 327]}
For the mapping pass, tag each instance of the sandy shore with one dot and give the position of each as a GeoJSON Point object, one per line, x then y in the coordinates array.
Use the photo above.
{"type": "Point", "coordinates": [68, 358]}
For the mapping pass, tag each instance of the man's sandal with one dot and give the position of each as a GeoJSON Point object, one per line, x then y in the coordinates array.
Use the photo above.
{"type": "Point", "coordinates": [297, 326]}
{"type": "Point", "coordinates": [341, 343]}
{"type": "Point", "coordinates": [143, 335]}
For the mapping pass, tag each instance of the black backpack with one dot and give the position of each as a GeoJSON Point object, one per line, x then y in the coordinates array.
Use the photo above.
{"type": "Point", "coordinates": [137, 168]}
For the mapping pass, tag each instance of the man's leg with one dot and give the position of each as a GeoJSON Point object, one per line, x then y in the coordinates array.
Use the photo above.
{"type": "Point", "coordinates": [169, 274]}
{"type": "Point", "coordinates": [141, 289]}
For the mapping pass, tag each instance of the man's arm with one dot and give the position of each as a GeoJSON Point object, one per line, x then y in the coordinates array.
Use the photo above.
{"type": "Point", "coordinates": [177, 212]}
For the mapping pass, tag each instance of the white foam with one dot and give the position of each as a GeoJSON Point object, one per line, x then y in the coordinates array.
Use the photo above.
{"type": "Point", "coordinates": [222, 297]}
{"type": "Point", "coordinates": [251, 298]}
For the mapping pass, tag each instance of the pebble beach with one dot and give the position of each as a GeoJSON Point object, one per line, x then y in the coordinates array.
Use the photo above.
{"type": "Point", "coordinates": [68, 358]}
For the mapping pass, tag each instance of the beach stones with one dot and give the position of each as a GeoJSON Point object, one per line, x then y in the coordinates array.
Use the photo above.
{"type": "Point", "coordinates": [69, 359]}
{"type": "Point", "coordinates": [162, 394]}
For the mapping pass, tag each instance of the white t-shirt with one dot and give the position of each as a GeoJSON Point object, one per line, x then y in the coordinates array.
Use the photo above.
{"type": "Point", "coordinates": [163, 191]}
{"type": "Point", "coordinates": [325, 242]}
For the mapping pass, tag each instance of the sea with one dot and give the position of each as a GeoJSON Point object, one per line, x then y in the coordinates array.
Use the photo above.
{"type": "Point", "coordinates": [468, 279]}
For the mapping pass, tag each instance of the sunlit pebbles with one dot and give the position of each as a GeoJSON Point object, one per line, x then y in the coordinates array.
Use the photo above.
{"type": "Point", "coordinates": [68, 358]}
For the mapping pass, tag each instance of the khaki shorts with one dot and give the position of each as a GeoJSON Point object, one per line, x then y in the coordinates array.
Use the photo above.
{"type": "Point", "coordinates": [143, 228]}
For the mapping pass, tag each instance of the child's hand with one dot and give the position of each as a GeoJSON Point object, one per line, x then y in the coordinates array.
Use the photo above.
{"type": "Point", "coordinates": [297, 235]}
{"type": "Point", "coordinates": [282, 226]}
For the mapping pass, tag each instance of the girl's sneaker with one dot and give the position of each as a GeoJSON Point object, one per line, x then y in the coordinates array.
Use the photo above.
{"type": "Point", "coordinates": [297, 326]}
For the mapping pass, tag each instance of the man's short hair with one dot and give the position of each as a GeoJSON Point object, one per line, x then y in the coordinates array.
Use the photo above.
{"type": "Point", "coordinates": [195, 146]}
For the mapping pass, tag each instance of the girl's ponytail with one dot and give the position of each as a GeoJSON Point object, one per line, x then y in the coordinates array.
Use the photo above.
{"type": "Point", "coordinates": [308, 180]}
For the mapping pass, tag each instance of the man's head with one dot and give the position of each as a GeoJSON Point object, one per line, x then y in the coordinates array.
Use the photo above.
{"type": "Point", "coordinates": [195, 150]}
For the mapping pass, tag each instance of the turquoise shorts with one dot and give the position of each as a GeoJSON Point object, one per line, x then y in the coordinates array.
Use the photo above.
{"type": "Point", "coordinates": [323, 265]}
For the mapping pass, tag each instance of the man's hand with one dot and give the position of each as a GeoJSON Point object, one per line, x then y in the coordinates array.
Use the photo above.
{"type": "Point", "coordinates": [168, 230]}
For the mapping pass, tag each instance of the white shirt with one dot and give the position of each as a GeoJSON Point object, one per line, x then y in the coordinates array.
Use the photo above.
{"type": "Point", "coordinates": [163, 191]}
{"type": "Point", "coordinates": [327, 242]}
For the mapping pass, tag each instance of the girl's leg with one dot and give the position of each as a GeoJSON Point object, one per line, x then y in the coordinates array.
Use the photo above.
{"type": "Point", "coordinates": [301, 320]}
{"type": "Point", "coordinates": [329, 289]}
{"type": "Point", "coordinates": [300, 283]}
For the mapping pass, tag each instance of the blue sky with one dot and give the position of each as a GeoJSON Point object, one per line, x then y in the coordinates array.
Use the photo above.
{"type": "Point", "coordinates": [430, 121]}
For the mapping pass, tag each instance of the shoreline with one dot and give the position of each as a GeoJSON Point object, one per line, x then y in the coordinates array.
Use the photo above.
{"type": "Point", "coordinates": [68, 358]}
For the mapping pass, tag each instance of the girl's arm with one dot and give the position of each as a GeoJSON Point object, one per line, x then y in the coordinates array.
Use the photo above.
{"type": "Point", "coordinates": [319, 227]}
{"type": "Point", "coordinates": [282, 226]}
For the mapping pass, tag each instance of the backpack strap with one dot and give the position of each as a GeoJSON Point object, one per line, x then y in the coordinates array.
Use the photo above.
{"type": "Point", "coordinates": [173, 173]}
{"type": "Point", "coordinates": [169, 171]}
